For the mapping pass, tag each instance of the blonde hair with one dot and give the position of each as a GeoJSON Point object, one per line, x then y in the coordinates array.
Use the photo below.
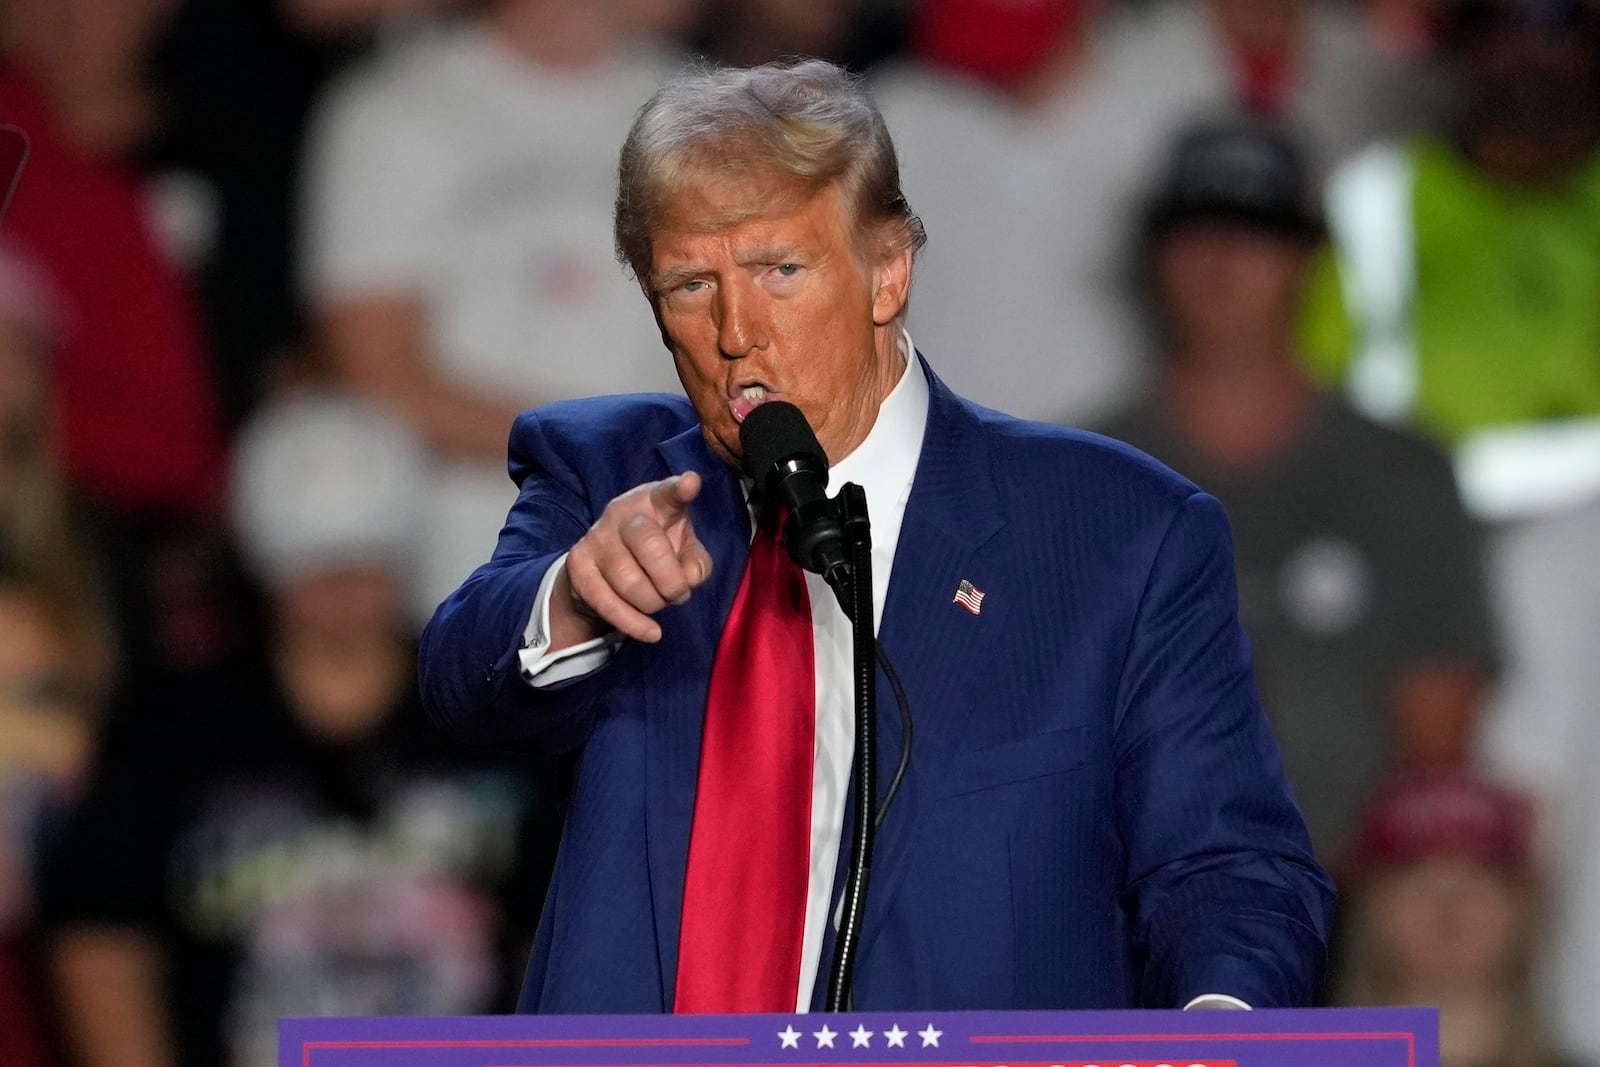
{"type": "Point", "coordinates": [805, 124]}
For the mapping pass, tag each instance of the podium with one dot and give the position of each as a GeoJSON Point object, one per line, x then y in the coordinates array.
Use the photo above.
{"type": "Point", "coordinates": [1355, 1037]}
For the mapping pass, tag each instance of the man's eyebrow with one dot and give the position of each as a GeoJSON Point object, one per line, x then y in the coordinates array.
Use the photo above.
{"type": "Point", "coordinates": [670, 277]}
{"type": "Point", "coordinates": [783, 253]}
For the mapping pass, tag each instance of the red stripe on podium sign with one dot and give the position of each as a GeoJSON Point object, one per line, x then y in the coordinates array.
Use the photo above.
{"type": "Point", "coordinates": [1009, 1063]}
{"type": "Point", "coordinates": [1103, 1063]}
{"type": "Point", "coordinates": [1122, 1063]}
{"type": "Point", "coordinates": [1108, 1063]}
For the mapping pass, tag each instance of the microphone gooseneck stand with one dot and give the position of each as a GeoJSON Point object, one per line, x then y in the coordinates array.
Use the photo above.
{"type": "Point", "coordinates": [855, 597]}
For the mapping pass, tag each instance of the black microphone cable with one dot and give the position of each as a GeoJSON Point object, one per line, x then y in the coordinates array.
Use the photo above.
{"type": "Point", "coordinates": [903, 703]}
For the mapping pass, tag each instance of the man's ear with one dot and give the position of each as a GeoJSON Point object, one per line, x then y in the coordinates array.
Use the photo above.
{"type": "Point", "coordinates": [891, 282]}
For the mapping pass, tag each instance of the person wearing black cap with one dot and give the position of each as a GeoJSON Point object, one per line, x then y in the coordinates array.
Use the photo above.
{"type": "Point", "coordinates": [1358, 571]}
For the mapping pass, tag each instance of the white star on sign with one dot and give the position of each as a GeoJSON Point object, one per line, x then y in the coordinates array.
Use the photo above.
{"type": "Point", "coordinates": [930, 1036]}
{"type": "Point", "coordinates": [861, 1037]}
{"type": "Point", "coordinates": [896, 1036]}
{"type": "Point", "coordinates": [824, 1036]}
{"type": "Point", "coordinates": [790, 1037]}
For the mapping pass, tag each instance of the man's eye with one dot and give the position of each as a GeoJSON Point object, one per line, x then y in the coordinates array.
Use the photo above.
{"type": "Point", "coordinates": [788, 270]}
{"type": "Point", "coordinates": [693, 285]}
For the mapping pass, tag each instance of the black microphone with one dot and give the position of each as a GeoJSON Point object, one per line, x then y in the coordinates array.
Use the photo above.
{"type": "Point", "coordinates": [790, 469]}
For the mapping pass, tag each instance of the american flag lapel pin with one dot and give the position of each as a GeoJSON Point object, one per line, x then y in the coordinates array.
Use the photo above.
{"type": "Point", "coordinates": [968, 596]}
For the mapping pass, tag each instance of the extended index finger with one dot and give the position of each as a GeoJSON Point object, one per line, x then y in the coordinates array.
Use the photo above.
{"type": "Point", "coordinates": [671, 496]}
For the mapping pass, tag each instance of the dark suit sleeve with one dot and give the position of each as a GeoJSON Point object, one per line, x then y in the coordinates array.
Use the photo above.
{"type": "Point", "coordinates": [1221, 884]}
{"type": "Point", "coordinates": [468, 668]}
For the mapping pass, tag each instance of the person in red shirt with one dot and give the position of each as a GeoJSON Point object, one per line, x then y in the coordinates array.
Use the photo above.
{"type": "Point", "coordinates": [135, 412]}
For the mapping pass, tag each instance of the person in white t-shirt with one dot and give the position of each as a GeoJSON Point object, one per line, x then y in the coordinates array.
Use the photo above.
{"type": "Point", "coordinates": [1024, 160]}
{"type": "Point", "coordinates": [1028, 131]}
{"type": "Point", "coordinates": [457, 238]}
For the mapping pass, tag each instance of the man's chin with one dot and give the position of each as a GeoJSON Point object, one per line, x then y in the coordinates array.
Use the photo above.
{"type": "Point", "coordinates": [729, 454]}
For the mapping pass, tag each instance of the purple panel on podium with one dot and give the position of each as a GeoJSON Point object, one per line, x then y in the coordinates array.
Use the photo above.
{"type": "Point", "coordinates": [1362, 1037]}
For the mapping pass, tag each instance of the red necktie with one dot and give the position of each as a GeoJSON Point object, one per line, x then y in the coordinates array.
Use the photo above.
{"type": "Point", "coordinates": [744, 897]}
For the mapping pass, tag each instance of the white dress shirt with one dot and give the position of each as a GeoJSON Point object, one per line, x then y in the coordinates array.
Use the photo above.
{"type": "Point", "coordinates": [884, 465]}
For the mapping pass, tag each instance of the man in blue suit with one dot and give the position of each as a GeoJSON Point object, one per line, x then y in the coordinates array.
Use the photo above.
{"type": "Point", "coordinates": [1094, 815]}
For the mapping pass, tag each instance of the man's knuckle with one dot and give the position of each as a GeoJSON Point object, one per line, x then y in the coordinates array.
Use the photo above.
{"type": "Point", "coordinates": [655, 551]}
{"type": "Point", "coordinates": [621, 508]}
{"type": "Point", "coordinates": [585, 584]}
{"type": "Point", "coordinates": [635, 587]}
{"type": "Point", "coordinates": [636, 528]}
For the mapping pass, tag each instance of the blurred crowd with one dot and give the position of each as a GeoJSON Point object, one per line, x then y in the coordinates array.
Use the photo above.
{"type": "Point", "coordinates": [279, 273]}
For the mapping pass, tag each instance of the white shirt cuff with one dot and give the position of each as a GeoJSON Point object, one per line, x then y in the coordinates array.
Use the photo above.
{"type": "Point", "coordinates": [1216, 1002]}
{"type": "Point", "coordinates": [543, 667]}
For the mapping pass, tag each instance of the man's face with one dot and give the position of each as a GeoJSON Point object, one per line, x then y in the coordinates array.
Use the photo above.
{"type": "Point", "coordinates": [780, 305]}
{"type": "Point", "coordinates": [1226, 285]}
{"type": "Point", "coordinates": [1450, 918]}
{"type": "Point", "coordinates": [1529, 80]}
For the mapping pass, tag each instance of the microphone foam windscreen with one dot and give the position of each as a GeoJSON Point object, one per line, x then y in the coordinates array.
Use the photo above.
{"type": "Point", "coordinates": [775, 432]}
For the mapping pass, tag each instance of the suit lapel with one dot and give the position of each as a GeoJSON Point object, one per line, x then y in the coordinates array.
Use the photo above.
{"type": "Point", "coordinates": [675, 689]}
{"type": "Point", "coordinates": [953, 511]}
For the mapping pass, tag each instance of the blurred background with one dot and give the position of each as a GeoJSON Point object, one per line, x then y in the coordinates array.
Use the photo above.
{"type": "Point", "coordinates": [279, 274]}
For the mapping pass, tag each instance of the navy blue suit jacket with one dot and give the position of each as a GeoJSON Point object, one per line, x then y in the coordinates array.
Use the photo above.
{"type": "Point", "coordinates": [1095, 815]}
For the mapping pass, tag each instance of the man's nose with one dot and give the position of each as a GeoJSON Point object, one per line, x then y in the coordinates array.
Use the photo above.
{"type": "Point", "coordinates": [741, 328]}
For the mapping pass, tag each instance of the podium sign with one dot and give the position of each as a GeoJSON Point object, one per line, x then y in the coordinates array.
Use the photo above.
{"type": "Point", "coordinates": [1360, 1037]}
